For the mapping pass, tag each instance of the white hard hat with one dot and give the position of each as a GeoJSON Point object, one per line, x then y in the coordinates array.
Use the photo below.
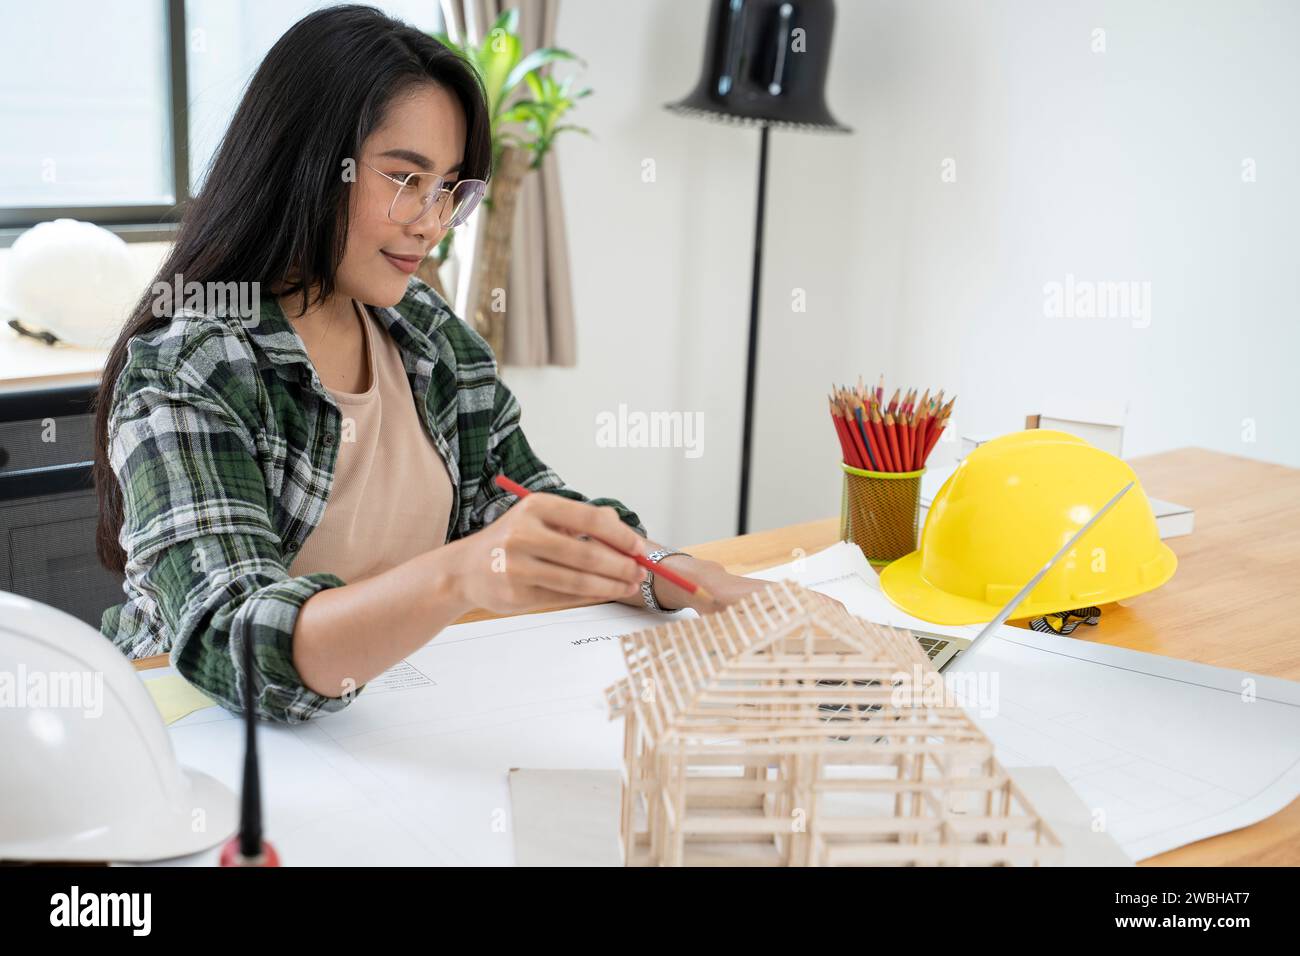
{"type": "Point", "coordinates": [72, 278]}
{"type": "Point", "coordinates": [90, 773]}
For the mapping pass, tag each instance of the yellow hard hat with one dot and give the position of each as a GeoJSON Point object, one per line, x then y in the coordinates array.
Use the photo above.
{"type": "Point", "coordinates": [1011, 505]}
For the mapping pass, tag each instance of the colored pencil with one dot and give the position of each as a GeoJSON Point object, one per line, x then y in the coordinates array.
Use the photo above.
{"type": "Point", "coordinates": [851, 425]}
{"type": "Point", "coordinates": [872, 451]}
{"type": "Point", "coordinates": [922, 414]}
{"type": "Point", "coordinates": [936, 405]}
{"type": "Point", "coordinates": [891, 435]}
{"type": "Point", "coordinates": [847, 451]}
{"type": "Point", "coordinates": [878, 429]}
{"type": "Point", "coordinates": [897, 435]}
{"type": "Point", "coordinates": [855, 441]}
{"type": "Point", "coordinates": [849, 409]}
{"type": "Point", "coordinates": [905, 438]}
{"type": "Point", "coordinates": [914, 440]}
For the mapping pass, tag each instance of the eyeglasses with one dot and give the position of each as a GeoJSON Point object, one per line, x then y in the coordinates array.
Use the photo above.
{"type": "Point", "coordinates": [417, 193]}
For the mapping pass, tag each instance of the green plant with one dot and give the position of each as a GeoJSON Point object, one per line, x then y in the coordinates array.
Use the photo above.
{"type": "Point", "coordinates": [541, 115]}
{"type": "Point", "coordinates": [505, 70]}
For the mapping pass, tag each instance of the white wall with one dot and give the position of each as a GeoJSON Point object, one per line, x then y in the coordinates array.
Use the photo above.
{"type": "Point", "coordinates": [1123, 165]}
{"type": "Point", "coordinates": [1115, 166]}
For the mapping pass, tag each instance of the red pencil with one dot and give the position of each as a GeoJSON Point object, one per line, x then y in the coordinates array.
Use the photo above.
{"type": "Point", "coordinates": [892, 438]}
{"type": "Point", "coordinates": [856, 437]}
{"type": "Point", "coordinates": [894, 463]}
{"type": "Point", "coordinates": [855, 442]}
{"type": "Point", "coordinates": [905, 439]}
{"type": "Point", "coordinates": [873, 450]}
{"type": "Point", "coordinates": [923, 435]}
{"type": "Point", "coordinates": [918, 422]}
{"type": "Point", "coordinates": [689, 586]}
{"type": "Point", "coordinates": [847, 449]}
{"type": "Point", "coordinates": [918, 436]}
{"type": "Point", "coordinates": [927, 419]}
{"type": "Point", "coordinates": [932, 421]}
{"type": "Point", "coordinates": [913, 440]}
{"type": "Point", "coordinates": [878, 429]}
{"type": "Point", "coordinates": [909, 428]}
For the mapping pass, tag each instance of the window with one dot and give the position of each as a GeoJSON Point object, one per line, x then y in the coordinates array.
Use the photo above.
{"type": "Point", "coordinates": [84, 105]}
{"type": "Point", "coordinates": [227, 41]}
{"type": "Point", "coordinates": [89, 97]}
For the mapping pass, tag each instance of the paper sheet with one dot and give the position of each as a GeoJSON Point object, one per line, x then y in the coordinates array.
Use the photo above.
{"type": "Point", "coordinates": [174, 696]}
{"type": "Point", "coordinates": [1068, 816]}
{"type": "Point", "coordinates": [565, 817]}
{"type": "Point", "coordinates": [419, 772]}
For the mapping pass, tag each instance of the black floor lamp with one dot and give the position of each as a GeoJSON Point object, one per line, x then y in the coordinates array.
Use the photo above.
{"type": "Point", "coordinates": [765, 64]}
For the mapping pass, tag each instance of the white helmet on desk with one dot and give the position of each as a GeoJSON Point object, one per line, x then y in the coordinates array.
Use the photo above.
{"type": "Point", "coordinates": [86, 311]}
{"type": "Point", "coordinates": [90, 773]}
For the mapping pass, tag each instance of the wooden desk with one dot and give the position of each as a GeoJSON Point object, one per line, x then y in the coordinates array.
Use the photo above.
{"type": "Point", "coordinates": [26, 363]}
{"type": "Point", "coordinates": [1233, 602]}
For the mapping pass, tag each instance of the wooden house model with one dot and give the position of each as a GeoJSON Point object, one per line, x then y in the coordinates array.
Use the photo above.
{"type": "Point", "coordinates": [783, 730]}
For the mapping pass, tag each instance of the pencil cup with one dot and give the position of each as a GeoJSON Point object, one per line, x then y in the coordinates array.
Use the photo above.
{"type": "Point", "coordinates": [880, 512]}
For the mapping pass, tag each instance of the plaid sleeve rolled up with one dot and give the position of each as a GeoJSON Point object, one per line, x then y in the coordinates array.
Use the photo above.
{"type": "Point", "coordinates": [202, 551]}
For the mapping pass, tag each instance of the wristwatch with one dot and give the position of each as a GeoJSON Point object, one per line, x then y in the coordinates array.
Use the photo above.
{"type": "Point", "coordinates": [648, 585]}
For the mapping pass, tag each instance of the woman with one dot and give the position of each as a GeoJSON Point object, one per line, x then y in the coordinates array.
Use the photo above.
{"type": "Point", "coordinates": [315, 475]}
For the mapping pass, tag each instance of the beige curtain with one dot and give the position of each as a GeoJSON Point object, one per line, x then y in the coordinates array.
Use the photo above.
{"type": "Point", "coordinates": [539, 298]}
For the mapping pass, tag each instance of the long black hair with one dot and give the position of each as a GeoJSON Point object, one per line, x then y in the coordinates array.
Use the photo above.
{"type": "Point", "coordinates": [274, 206]}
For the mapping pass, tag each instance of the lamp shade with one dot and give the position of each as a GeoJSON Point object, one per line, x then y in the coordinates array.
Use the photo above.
{"type": "Point", "coordinates": [765, 63]}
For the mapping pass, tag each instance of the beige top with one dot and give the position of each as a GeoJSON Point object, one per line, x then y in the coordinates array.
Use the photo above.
{"type": "Point", "coordinates": [391, 496]}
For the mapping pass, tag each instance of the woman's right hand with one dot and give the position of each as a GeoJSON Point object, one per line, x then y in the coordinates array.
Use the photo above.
{"type": "Point", "coordinates": [533, 557]}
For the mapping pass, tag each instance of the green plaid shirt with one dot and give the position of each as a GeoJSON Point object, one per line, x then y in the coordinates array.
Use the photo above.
{"type": "Point", "coordinates": [224, 443]}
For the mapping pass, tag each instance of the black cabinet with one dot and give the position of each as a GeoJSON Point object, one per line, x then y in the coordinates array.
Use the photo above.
{"type": "Point", "coordinates": [48, 506]}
